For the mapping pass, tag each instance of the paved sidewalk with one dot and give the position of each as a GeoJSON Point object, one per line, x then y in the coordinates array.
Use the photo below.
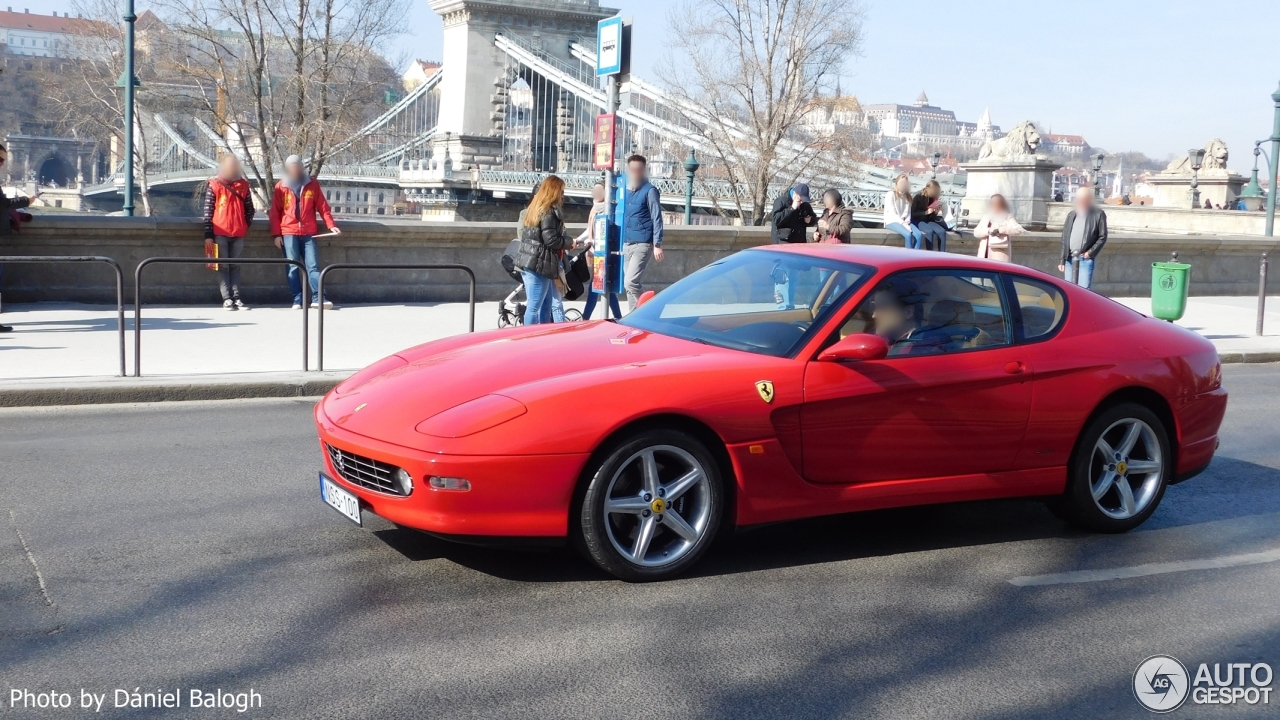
{"type": "Point", "coordinates": [205, 352]}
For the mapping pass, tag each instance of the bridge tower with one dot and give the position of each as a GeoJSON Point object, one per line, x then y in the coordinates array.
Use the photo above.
{"type": "Point", "coordinates": [473, 88]}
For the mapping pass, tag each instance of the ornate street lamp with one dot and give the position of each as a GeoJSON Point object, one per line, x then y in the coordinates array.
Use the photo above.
{"type": "Point", "coordinates": [1252, 195]}
{"type": "Point", "coordinates": [1275, 161]}
{"type": "Point", "coordinates": [933, 164]}
{"type": "Point", "coordinates": [691, 166]}
{"type": "Point", "coordinates": [1097, 175]}
{"type": "Point", "coordinates": [1196, 156]}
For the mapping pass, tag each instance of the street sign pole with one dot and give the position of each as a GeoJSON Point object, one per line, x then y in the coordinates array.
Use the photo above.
{"type": "Point", "coordinates": [609, 178]}
{"type": "Point", "coordinates": [613, 56]}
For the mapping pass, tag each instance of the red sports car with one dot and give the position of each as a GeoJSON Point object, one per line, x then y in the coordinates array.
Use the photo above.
{"type": "Point", "coordinates": [778, 383]}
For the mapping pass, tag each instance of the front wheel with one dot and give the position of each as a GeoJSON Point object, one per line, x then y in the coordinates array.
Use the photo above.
{"type": "Point", "coordinates": [652, 506]}
{"type": "Point", "coordinates": [1118, 472]}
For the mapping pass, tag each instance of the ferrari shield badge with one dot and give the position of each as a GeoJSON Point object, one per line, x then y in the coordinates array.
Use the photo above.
{"type": "Point", "coordinates": [765, 388]}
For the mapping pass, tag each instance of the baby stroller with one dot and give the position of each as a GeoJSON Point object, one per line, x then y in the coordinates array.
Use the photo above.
{"type": "Point", "coordinates": [511, 310]}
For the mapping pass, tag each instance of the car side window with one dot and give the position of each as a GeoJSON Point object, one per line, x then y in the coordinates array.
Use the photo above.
{"type": "Point", "coordinates": [933, 312]}
{"type": "Point", "coordinates": [1041, 306]}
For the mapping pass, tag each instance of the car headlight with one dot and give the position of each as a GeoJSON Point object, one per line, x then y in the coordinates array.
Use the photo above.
{"type": "Point", "coordinates": [403, 481]}
{"type": "Point", "coordinates": [471, 417]}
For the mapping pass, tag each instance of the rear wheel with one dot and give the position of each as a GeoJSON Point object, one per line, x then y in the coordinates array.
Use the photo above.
{"type": "Point", "coordinates": [652, 506]}
{"type": "Point", "coordinates": [1119, 471]}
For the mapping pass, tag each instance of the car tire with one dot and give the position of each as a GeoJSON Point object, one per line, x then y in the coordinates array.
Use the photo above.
{"type": "Point", "coordinates": [1118, 472]}
{"type": "Point", "coordinates": [652, 505]}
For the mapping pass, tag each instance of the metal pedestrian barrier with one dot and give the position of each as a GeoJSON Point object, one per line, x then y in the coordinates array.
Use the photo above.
{"type": "Point", "coordinates": [471, 300]}
{"type": "Point", "coordinates": [51, 259]}
{"type": "Point", "coordinates": [137, 296]}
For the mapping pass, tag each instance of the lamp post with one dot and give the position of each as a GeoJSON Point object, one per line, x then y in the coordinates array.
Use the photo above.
{"type": "Point", "coordinates": [933, 164]}
{"type": "Point", "coordinates": [691, 166]}
{"type": "Point", "coordinates": [1097, 175]}
{"type": "Point", "coordinates": [1275, 161]}
{"type": "Point", "coordinates": [129, 82]}
{"type": "Point", "coordinates": [1196, 156]}
{"type": "Point", "coordinates": [1251, 195]}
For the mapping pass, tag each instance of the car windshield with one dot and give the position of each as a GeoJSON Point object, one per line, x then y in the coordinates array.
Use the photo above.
{"type": "Point", "coordinates": [757, 300]}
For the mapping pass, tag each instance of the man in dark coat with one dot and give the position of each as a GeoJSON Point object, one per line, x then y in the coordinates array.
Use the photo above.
{"type": "Point", "coordinates": [1084, 234]}
{"type": "Point", "coordinates": [790, 220]}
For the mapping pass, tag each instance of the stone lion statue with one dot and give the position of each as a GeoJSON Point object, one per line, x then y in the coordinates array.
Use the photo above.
{"type": "Point", "coordinates": [1215, 158]}
{"type": "Point", "coordinates": [1020, 142]}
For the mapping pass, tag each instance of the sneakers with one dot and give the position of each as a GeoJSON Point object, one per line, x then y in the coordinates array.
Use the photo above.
{"type": "Point", "coordinates": [328, 305]}
{"type": "Point", "coordinates": [297, 306]}
{"type": "Point", "coordinates": [5, 329]}
{"type": "Point", "coordinates": [240, 304]}
{"type": "Point", "coordinates": [228, 305]}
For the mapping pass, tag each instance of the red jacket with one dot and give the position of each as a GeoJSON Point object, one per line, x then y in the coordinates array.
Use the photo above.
{"type": "Point", "coordinates": [228, 208]}
{"type": "Point", "coordinates": [291, 215]}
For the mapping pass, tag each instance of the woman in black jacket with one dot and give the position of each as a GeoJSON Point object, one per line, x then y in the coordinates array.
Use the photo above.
{"type": "Point", "coordinates": [542, 240]}
{"type": "Point", "coordinates": [928, 215]}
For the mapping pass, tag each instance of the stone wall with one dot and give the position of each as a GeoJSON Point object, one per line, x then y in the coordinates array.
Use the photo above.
{"type": "Point", "coordinates": [1172, 221]}
{"type": "Point", "coordinates": [1222, 265]}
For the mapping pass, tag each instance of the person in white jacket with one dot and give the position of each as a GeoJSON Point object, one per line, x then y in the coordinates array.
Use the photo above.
{"type": "Point", "coordinates": [996, 230]}
{"type": "Point", "coordinates": [897, 212]}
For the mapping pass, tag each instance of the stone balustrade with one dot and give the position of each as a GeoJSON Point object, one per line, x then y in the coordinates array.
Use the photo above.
{"type": "Point", "coordinates": [1222, 265]}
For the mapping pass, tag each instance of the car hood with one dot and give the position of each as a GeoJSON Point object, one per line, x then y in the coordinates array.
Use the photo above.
{"type": "Point", "coordinates": [421, 383]}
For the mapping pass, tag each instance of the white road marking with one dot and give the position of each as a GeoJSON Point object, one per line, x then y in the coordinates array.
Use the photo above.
{"type": "Point", "coordinates": [32, 559]}
{"type": "Point", "coordinates": [1121, 573]}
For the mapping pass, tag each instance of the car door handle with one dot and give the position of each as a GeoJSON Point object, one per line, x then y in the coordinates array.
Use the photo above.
{"type": "Point", "coordinates": [1015, 367]}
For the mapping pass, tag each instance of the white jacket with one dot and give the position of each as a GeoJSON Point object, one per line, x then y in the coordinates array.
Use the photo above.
{"type": "Point", "coordinates": [896, 210]}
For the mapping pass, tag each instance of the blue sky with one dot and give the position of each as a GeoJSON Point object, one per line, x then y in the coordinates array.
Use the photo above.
{"type": "Point", "coordinates": [1158, 76]}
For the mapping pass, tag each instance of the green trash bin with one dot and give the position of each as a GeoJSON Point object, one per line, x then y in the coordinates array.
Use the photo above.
{"type": "Point", "coordinates": [1169, 282]}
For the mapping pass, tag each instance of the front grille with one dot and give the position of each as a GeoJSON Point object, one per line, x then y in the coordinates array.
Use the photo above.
{"type": "Point", "coordinates": [363, 471]}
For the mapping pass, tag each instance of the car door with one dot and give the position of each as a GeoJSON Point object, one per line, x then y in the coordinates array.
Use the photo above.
{"type": "Point", "coordinates": [953, 398]}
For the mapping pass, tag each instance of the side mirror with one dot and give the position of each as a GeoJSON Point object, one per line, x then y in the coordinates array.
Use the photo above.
{"type": "Point", "coordinates": [645, 297]}
{"type": "Point", "coordinates": [861, 346]}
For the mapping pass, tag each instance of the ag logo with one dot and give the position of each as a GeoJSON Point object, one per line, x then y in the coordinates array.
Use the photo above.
{"type": "Point", "coordinates": [1161, 683]}
{"type": "Point", "coordinates": [1166, 282]}
{"type": "Point", "coordinates": [765, 388]}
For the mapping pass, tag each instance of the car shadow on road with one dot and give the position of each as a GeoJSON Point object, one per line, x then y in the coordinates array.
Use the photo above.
{"type": "Point", "coordinates": [1229, 489]}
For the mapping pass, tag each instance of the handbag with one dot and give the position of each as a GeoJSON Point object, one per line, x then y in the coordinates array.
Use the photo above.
{"type": "Point", "coordinates": [211, 252]}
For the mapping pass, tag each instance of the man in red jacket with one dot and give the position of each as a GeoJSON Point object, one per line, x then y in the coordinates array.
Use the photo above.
{"type": "Point", "coordinates": [294, 205]}
{"type": "Point", "coordinates": [228, 211]}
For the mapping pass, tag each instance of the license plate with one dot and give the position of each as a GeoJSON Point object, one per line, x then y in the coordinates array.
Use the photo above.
{"type": "Point", "coordinates": [339, 499]}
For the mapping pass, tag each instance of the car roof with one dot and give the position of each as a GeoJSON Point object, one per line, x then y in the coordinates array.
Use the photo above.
{"type": "Point", "coordinates": [888, 258]}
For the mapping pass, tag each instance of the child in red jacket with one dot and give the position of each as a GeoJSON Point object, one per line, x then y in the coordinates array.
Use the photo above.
{"type": "Point", "coordinates": [294, 205]}
{"type": "Point", "coordinates": [228, 211]}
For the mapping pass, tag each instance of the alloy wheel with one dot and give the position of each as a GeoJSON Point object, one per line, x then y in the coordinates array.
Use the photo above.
{"type": "Point", "coordinates": [658, 505]}
{"type": "Point", "coordinates": [1125, 468]}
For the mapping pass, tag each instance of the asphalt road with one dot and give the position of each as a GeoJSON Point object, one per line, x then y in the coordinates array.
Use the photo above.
{"type": "Point", "coordinates": [185, 546]}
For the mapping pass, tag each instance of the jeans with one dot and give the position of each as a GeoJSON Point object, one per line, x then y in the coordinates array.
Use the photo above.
{"type": "Point", "coordinates": [1086, 272]}
{"type": "Point", "coordinates": [557, 304]}
{"type": "Point", "coordinates": [635, 258]}
{"type": "Point", "coordinates": [229, 275]}
{"type": "Point", "coordinates": [303, 248]}
{"type": "Point", "coordinates": [914, 239]}
{"type": "Point", "coordinates": [539, 293]}
{"type": "Point", "coordinates": [593, 298]}
{"type": "Point", "coordinates": [935, 235]}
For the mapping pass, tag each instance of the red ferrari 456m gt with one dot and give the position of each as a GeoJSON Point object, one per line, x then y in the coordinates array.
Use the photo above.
{"type": "Point", "coordinates": [781, 382]}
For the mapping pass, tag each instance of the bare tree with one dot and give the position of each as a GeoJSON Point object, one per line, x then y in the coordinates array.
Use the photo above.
{"type": "Point", "coordinates": [749, 74]}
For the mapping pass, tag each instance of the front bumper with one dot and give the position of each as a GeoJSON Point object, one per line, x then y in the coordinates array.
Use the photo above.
{"type": "Point", "coordinates": [510, 495]}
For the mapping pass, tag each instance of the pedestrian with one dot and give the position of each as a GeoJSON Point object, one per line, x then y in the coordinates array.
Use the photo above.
{"type": "Point", "coordinates": [928, 216]}
{"type": "Point", "coordinates": [542, 240]}
{"type": "Point", "coordinates": [996, 229]}
{"type": "Point", "coordinates": [642, 227]}
{"type": "Point", "coordinates": [9, 208]}
{"type": "Point", "coordinates": [897, 212]}
{"type": "Point", "coordinates": [1083, 236]}
{"type": "Point", "coordinates": [295, 202]}
{"type": "Point", "coordinates": [591, 237]}
{"type": "Point", "coordinates": [792, 216]}
{"type": "Point", "coordinates": [228, 211]}
{"type": "Point", "coordinates": [836, 220]}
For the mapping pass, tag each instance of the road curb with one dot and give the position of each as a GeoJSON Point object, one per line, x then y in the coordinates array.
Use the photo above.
{"type": "Point", "coordinates": [103, 391]}
{"type": "Point", "coordinates": [1249, 356]}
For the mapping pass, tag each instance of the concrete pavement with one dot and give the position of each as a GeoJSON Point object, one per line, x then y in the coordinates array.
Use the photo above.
{"type": "Point", "coordinates": [68, 353]}
{"type": "Point", "coordinates": [183, 545]}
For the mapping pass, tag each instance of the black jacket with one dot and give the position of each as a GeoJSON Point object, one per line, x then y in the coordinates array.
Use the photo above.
{"type": "Point", "coordinates": [787, 223]}
{"type": "Point", "coordinates": [7, 204]}
{"type": "Point", "coordinates": [920, 210]}
{"type": "Point", "coordinates": [1095, 233]}
{"type": "Point", "coordinates": [540, 246]}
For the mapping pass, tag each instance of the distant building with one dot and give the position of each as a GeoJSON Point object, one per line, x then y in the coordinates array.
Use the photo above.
{"type": "Point", "coordinates": [923, 128]}
{"type": "Point", "coordinates": [38, 35]}
{"type": "Point", "coordinates": [419, 72]}
{"type": "Point", "coordinates": [1063, 145]}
